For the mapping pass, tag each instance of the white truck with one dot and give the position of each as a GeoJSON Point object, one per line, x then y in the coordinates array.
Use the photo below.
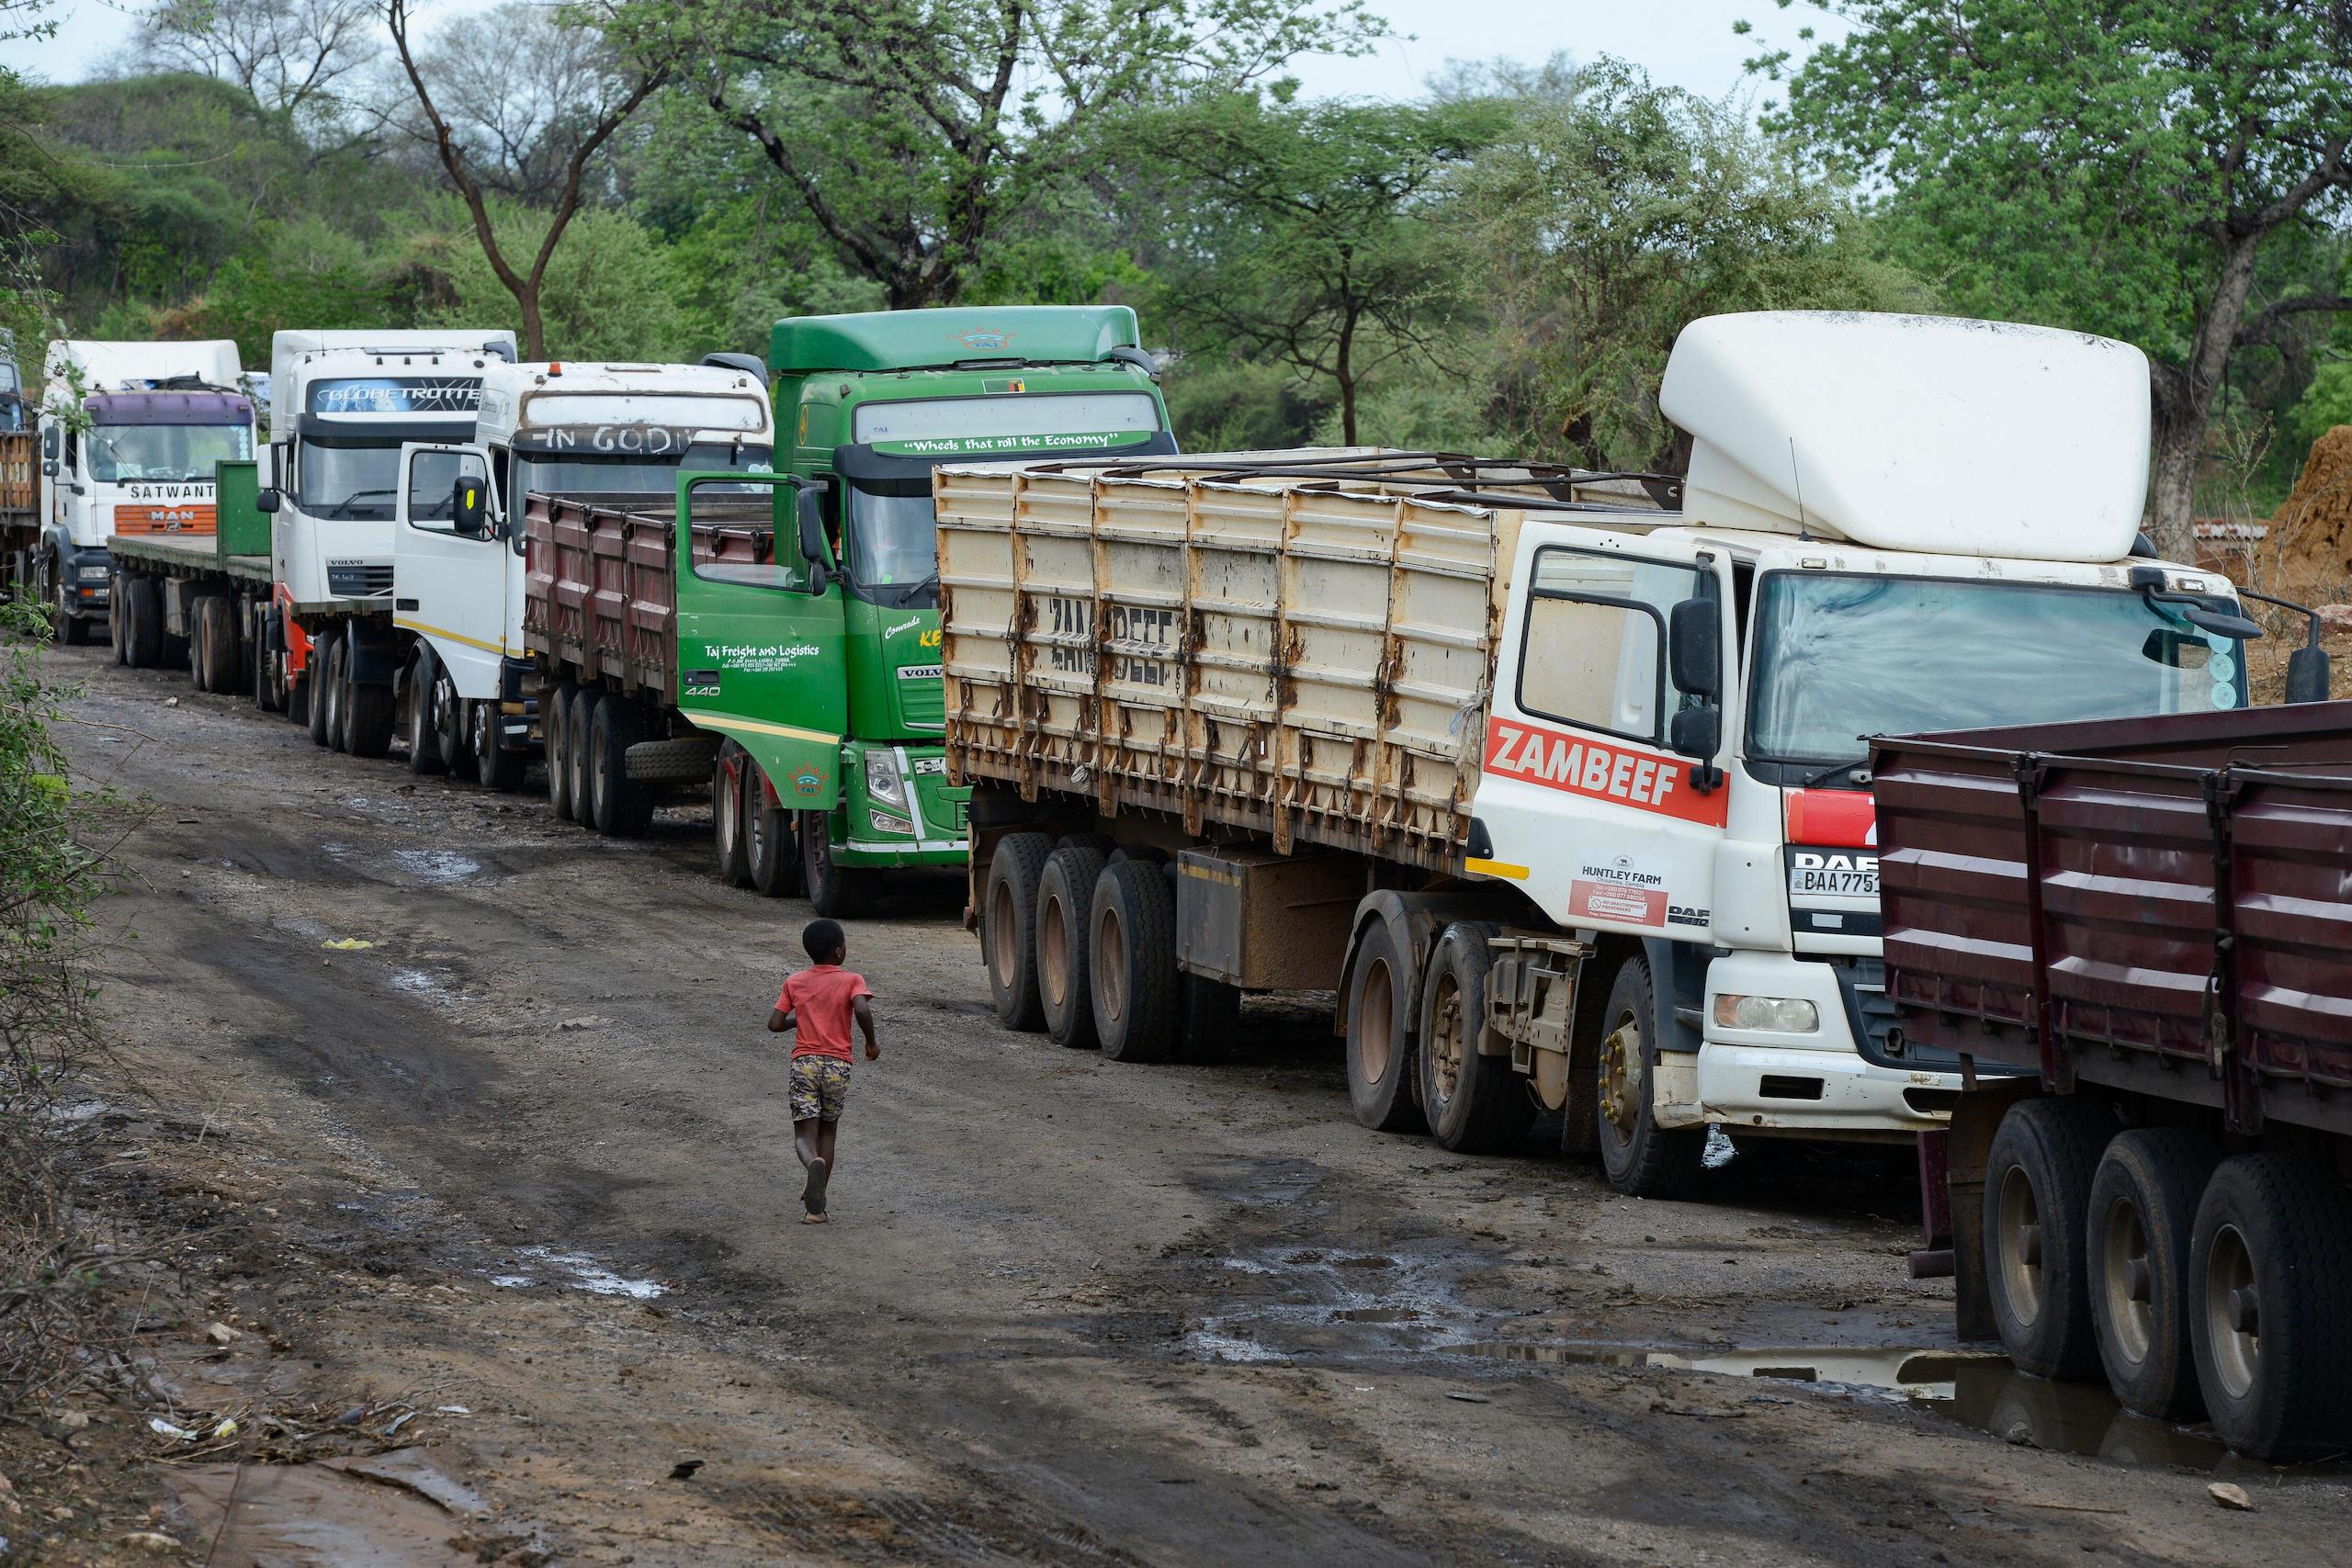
{"type": "Point", "coordinates": [342, 404]}
{"type": "Point", "coordinates": [568, 428]}
{"type": "Point", "coordinates": [1558, 778]}
{"type": "Point", "coordinates": [129, 435]}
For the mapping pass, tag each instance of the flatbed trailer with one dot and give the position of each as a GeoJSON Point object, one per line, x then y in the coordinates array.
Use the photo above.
{"type": "Point", "coordinates": [2147, 927]}
{"type": "Point", "coordinates": [204, 598]}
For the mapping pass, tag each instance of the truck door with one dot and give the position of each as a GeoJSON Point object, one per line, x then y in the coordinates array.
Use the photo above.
{"type": "Point", "coordinates": [761, 629]}
{"type": "Point", "coordinates": [449, 586]}
{"type": "Point", "coordinates": [1601, 793]}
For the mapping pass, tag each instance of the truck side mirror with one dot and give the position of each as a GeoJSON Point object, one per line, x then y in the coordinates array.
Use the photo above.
{"type": "Point", "coordinates": [49, 448]}
{"type": "Point", "coordinates": [1696, 733]}
{"type": "Point", "coordinates": [49, 468]}
{"type": "Point", "coordinates": [810, 511]}
{"type": "Point", "coordinates": [2307, 676]}
{"type": "Point", "coordinates": [1694, 650]}
{"type": "Point", "coordinates": [265, 500]}
{"type": "Point", "coordinates": [470, 508]}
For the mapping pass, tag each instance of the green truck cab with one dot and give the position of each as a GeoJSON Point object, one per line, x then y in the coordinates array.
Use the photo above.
{"type": "Point", "coordinates": [868, 404]}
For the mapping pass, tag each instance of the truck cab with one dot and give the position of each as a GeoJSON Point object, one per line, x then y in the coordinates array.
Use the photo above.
{"type": "Point", "coordinates": [616, 431]}
{"type": "Point", "coordinates": [874, 402]}
{"type": "Point", "coordinates": [129, 435]}
{"type": "Point", "coordinates": [1677, 751]}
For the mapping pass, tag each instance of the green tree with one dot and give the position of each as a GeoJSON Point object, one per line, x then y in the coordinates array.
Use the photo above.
{"type": "Point", "coordinates": [911, 131]}
{"type": "Point", "coordinates": [1614, 212]}
{"type": "Point", "coordinates": [1305, 233]}
{"type": "Point", "coordinates": [2112, 165]}
{"type": "Point", "coordinates": [607, 290]}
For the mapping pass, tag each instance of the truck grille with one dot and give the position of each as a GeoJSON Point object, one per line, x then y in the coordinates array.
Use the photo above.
{"type": "Point", "coordinates": [358, 582]}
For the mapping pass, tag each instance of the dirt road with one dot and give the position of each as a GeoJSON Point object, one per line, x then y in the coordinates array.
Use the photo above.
{"type": "Point", "coordinates": [523, 1161]}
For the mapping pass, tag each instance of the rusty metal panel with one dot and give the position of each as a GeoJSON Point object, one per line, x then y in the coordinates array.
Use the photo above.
{"type": "Point", "coordinates": [1264, 921]}
{"type": "Point", "coordinates": [600, 594]}
{"type": "Point", "coordinates": [2160, 904]}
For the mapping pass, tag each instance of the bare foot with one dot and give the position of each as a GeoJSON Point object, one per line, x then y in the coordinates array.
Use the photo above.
{"type": "Point", "coordinates": [812, 1192]}
{"type": "Point", "coordinates": [812, 1219]}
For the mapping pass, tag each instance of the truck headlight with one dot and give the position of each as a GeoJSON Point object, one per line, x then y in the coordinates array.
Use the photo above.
{"type": "Point", "coordinates": [883, 779]}
{"type": "Point", "coordinates": [94, 573]}
{"type": "Point", "coordinates": [1773, 1015]}
{"type": "Point", "coordinates": [887, 822]}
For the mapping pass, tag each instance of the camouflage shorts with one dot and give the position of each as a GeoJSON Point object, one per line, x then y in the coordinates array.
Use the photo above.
{"type": "Point", "coordinates": [820, 1085]}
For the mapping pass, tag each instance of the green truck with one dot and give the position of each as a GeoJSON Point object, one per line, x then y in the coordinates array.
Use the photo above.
{"type": "Point", "coordinates": [794, 663]}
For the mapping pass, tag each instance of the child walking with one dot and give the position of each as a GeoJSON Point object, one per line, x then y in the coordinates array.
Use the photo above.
{"type": "Point", "coordinates": [817, 1005]}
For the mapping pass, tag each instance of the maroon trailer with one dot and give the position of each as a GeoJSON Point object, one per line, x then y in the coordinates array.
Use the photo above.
{"type": "Point", "coordinates": [2138, 935]}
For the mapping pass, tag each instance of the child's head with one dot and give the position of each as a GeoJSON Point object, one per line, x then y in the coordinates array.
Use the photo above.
{"type": "Point", "coordinates": [826, 942]}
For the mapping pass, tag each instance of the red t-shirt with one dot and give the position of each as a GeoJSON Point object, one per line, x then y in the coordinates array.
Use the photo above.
{"type": "Point", "coordinates": [820, 999]}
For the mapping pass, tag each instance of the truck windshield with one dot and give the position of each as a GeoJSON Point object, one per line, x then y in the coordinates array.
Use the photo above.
{"type": "Point", "coordinates": [178, 452]}
{"type": "Point", "coordinates": [573, 474]}
{"type": "Point", "coordinates": [893, 554]}
{"type": "Point", "coordinates": [1841, 657]}
{"type": "Point", "coordinates": [348, 482]}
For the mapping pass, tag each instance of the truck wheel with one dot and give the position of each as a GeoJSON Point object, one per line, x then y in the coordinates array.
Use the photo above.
{"type": "Point", "coordinates": [2143, 1208]}
{"type": "Point", "coordinates": [2270, 1277]}
{"type": "Point", "coordinates": [198, 668]}
{"type": "Point", "coordinates": [117, 621]}
{"type": "Point", "coordinates": [1640, 1158]}
{"type": "Point", "coordinates": [216, 621]}
{"type": "Point", "coordinates": [495, 767]}
{"type": "Point", "coordinates": [2037, 1242]}
{"type": "Point", "coordinates": [1008, 934]}
{"type": "Point", "coordinates": [144, 633]}
{"type": "Point", "coordinates": [728, 770]}
{"type": "Point", "coordinates": [1475, 1104]}
{"type": "Point", "coordinates": [1065, 890]}
{"type": "Point", "coordinates": [1131, 962]}
{"type": "Point", "coordinates": [1211, 1018]}
{"type": "Point", "coordinates": [620, 807]}
{"type": "Point", "coordinates": [1379, 1034]}
{"type": "Point", "coordinates": [326, 700]}
{"type": "Point", "coordinates": [424, 746]}
{"type": "Point", "coordinates": [71, 629]}
{"type": "Point", "coordinates": [555, 711]}
{"type": "Point", "coordinates": [833, 889]}
{"type": "Point", "coordinates": [771, 838]}
{"type": "Point", "coordinates": [368, 718]}
{"type": "Point", "coordinates": [584, 704]}
{"type": "Point", "coordinates": [447, 712]}
{"type": "Point", "coordinates": [265, 669]}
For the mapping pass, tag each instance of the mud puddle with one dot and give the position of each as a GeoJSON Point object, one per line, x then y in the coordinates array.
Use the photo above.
{"type": "Point", "coordinates": [1975, 1389]}
{"type": "Point", "coordinates": [572, 1271]}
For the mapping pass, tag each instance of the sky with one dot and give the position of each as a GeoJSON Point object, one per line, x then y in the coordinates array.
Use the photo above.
{"type": "Point", "coordinates": [1686, 43]}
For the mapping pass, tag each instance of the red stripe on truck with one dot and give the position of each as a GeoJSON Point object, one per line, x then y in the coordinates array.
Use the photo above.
{"type": "Point", "coordinates": [1608, 771]}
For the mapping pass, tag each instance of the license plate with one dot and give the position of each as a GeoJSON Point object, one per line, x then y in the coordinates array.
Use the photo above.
{"type": "Point", "coordinates": [1810, 883]}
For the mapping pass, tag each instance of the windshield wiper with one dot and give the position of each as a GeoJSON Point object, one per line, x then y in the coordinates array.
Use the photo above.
{"type": "Point", "coordinates": [340, 508]}
{"type": "Point", "coordinates": [1814, 781]}
{"type": "Point", "coordinates": [930, 581]}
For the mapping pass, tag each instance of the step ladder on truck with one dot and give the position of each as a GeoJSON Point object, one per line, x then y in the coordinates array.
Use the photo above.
{"type": "Point", "coordinates": [1555, 778]}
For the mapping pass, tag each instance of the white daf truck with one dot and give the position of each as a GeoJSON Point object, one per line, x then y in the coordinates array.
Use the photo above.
{"type": "Point", "coordinates": [342, 403]}
{"type": "Point", "coordinates": [1557, 778]}
{"type": "Point", "coordinates": [129, 435]}
{"type": "Point", "coordinates": [561, 428]}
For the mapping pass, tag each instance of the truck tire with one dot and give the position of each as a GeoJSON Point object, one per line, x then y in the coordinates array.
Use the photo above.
{"type": "Point", "coordinates": [326, 694]}
{"type": "Point", "coordinates": [1475, 1104]}
{"type": "Point", "coordinates": [446, 711]}
{"type": "Point", "coordinates": [771, 836]}
{"type": "Point", "coordinates": [2037, 1234]}
{"type": "Point", "coordinates": [555, 711]}
{"type": "Point", "coordinates": [1065, 994]}
{"type": "Point", "coordinates": [424, 746]}
{"type": "Point", "coordinates": [619, 806]}
{"type": "Point", "coordinates": [216, 623]}
{"type": "Point", "coordinates": [2143, 1208]}
{"type": "Point", "coordinates": [198, 667]}
{"type": "Point", "coordinates": [1640, 1159]}
{"type": "Point", "coordinates": [496, 766]}
{"type": "Point", "coordinates": [1131, 962]}
{"type": "Point", "coordinates": [368, 718]}
{"type": "Point", "coordinates": [268, 673]}
{"type": "Point", "coordinates": [144, 633]}
{"type": "Point", "coordinates": [1008, 928]}
{"type": "Point", "coordinates": [835, 890]}
{"type": "Point", "coordinates": [116, 620]}
{"type": "Point", "coordinates": [677, 760]}
{"type": "Point", "coordinates": [2270, 1276]}
{"type": "Point", "coordinates": [1211, 1018]}
{"type": "Point", "coordinates": [73, 630]}
{"type": "Point", "coordinates": [1380, 1020]}
{"type": "Point", "coordinates": [584, 704]}
{"type": "Point", "coordinates": [726, 825]}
